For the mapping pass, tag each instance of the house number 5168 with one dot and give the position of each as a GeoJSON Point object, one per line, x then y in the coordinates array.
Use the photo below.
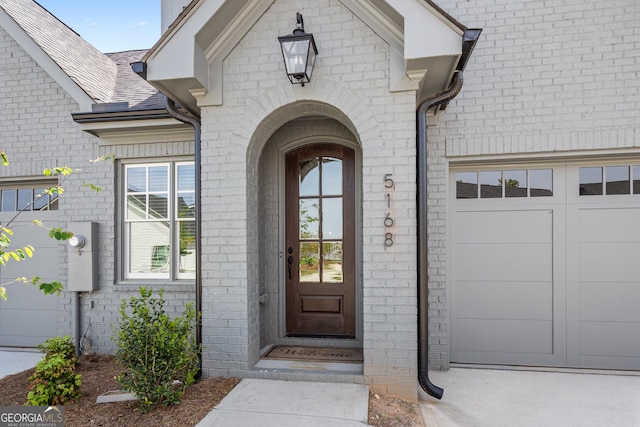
{"type": "Point", "coordinates": [389, 186]}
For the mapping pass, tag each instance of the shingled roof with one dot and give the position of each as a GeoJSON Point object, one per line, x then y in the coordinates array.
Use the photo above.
{"type": "Point", "coordinates": [105, 78]}
{"type": "Point", "coordinates": [93, 71]}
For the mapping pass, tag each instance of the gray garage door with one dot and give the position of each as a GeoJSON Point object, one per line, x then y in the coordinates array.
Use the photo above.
{"type": "Point", "coordinates": [542, 271]}
{"type": "Point", "coordinates": [29, 317]}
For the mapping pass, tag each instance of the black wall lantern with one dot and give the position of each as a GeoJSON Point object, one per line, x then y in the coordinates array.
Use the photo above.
{"type": "Point", "coordinates": [299, 52]}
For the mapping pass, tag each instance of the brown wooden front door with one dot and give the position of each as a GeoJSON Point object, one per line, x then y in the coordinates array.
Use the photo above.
{"type": "Point", "coordinates": [320, 239]}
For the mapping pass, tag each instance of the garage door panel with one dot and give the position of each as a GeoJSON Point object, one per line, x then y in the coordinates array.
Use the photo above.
{"type": "Point", "coordinates": [508, 262]}
{"type": "Point", "coordinates": [29, 317]}
{"type": "Point", "coordinates": [609, 262]}
{"type": "Point", "coordinates": [506, 301]}
{"type": "Point", "coordinates": [609, 225]}
{"type": "Point", "coordinates": [610, 339]}
{"type": "Point", "coordinates": [26, 331]}
{"type": "Point", "coordinates": [609, 302]}
{"type": "Point", "coordinates": [506, 336]}
{"type": "Point", "coordinates": [28, 297]}
{"type": "Point", "coordinates": [512, 226]}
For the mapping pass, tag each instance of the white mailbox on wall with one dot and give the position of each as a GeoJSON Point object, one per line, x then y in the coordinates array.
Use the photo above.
{"type": "Point", "coordinates": [83, 257]}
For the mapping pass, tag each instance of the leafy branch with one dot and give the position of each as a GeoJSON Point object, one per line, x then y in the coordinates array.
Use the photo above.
{"type": "Point", "coordinates": [63, 173]}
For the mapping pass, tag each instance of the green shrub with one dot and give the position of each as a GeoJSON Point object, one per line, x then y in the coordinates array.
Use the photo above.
{"type": "Point", "coordinates": [55, 381]}
{"type": "Point", "coordinates": [158, 353]}
{"type": "Point", "coordinates": [59, 346]}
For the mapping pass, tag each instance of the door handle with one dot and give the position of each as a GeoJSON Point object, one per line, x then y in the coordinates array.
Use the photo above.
{"type": "Point", "coordinates": [290, 261]}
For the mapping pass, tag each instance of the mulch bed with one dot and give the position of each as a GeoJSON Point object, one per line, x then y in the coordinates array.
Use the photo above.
{"type": "Point", "coordinates": [99, 374]}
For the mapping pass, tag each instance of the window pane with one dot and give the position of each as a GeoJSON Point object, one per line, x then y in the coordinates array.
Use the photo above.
{"type": "Point", "coordinates": [467, 185]}
{"type": "Point", "coordinates": [331, 177]}
{"type": "Point", "coordinates": [541, 182]}
{"type": "Point", "coordinates": [590, 181]}
{"type": "Point", "coordinates": [25, 197]}
{"type": "Point", "coordinates": [136, 207]}
{"type": "Point", "coordinates": [149, 247]}
{"type": "Point", "coordinates": [491, 184]}
{"type": "Point", "coordinates": [41, 199]}
{"type": "Point", "coordinates": [309, 262]}
{"type": "Point", "coordinates": [187, 237]}
{"type": "Point", "coordinates": [332, 218]}
{"type": "Point", "coordinates": [309, 218]}
{"type": "Point", "coordinates": [158, 179]}
{"type": "Point", "coordinates": [186, 178]}
{"type": "Point", "coordinates": [332, 262]}
{"type": "Point", "coordinates": [137, 179]}
{"type": "Point", "coordinates": [158, 206]}
{"type": "Point", "coordinates": [9, 200]}
{"type": "Point", "coordinates": [636, 179]}
{"type": "Point", "coordinates": [618, 180]}
{"type": "Point", "coordinates": [309, 178]}
{"type": "Point", "coordinates": [186, 205]}
{"type": "Point", "coordinates": [515, 183]}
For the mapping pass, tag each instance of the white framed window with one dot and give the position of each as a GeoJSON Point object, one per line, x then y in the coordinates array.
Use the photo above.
{"type": "Point", "coordinates": [159, 221]}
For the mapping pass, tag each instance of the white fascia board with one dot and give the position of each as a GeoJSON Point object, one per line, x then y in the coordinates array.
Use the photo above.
{"type": "Point", "coordinates": [51, 67]}
{"type": "Point", "coordinates": [179, 56]}
{"type": "Point", "coordinates": [139, 131]}
{"type": "Point", "coordinates": [426, 34]}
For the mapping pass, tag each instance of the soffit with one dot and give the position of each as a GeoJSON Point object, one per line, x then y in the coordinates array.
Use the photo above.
{"type": "Point", "coordinates": [186, 63]}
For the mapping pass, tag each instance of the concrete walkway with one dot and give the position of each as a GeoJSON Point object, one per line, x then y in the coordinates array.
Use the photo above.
{"type": "Point", "coordinates": [271, 403]}
{"type": "Point", "coordinates": [12, 362]}
{"type": "Point", "coordinates": [496, 398]}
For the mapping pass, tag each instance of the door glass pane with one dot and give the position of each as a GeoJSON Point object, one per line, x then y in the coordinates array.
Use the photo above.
{"type": "Point", "coordinates": [491, 184]}
{"type": "Point", "coordinates": [310, 177]}
{"type": "Point", "coordinates": [309, 218]}
{"type": "Point", "coordinates": [618, 180]}
{"type": "Point", "coordinates": [466, 185]}
{"type": "Point", "coordinates": [541, 182]}
{"type": "Point", "coordinates": [310, 262]}
{"type": "Point", "coordinates": [515, 183]}
{"type": "Point", "coordinates": [636, 179]}
{"type": "Point", "coordinates": [149, 247]}
{"type": "Point", "coordinates": [332, 218]}
{"type": "Point", "coordinates": [332, 262]}
{"type": "Point", "coordinates": [331, 177]}
{"type": "Point", "coordinates": [591, 181]}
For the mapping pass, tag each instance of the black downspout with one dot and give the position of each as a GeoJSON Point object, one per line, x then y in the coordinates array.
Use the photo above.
{"type": "Point", "coordinates": [423, 280]}
{"type": "Point", "coordinates": [195, 122]}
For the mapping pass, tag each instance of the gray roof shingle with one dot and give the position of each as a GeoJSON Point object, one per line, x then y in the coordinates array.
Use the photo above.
{"type": "Point", "coordinates": [106, 78]}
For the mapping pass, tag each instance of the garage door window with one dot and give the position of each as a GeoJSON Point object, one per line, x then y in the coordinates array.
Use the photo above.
{"type": "Point", "coordinates": [28, 197]}
{"type": "Point", "coordinates": [609, 180]}
{"type": "Point", "coordinates": [504, 183]}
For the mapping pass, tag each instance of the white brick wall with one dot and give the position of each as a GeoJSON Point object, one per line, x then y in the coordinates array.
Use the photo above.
{"type": "Point", "coordinates": [345, 86]}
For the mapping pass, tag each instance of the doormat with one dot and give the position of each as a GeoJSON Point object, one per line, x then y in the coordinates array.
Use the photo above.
{"type": "Point", "coordinates": [315, 354]}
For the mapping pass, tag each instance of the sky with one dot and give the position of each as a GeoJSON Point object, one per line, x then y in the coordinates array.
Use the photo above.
{"type": "Point", "coordinates": [110, 25]}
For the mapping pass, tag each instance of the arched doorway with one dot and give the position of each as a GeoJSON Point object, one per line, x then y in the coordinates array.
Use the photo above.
{"type": "Point", "coordinates": [315, 302]}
